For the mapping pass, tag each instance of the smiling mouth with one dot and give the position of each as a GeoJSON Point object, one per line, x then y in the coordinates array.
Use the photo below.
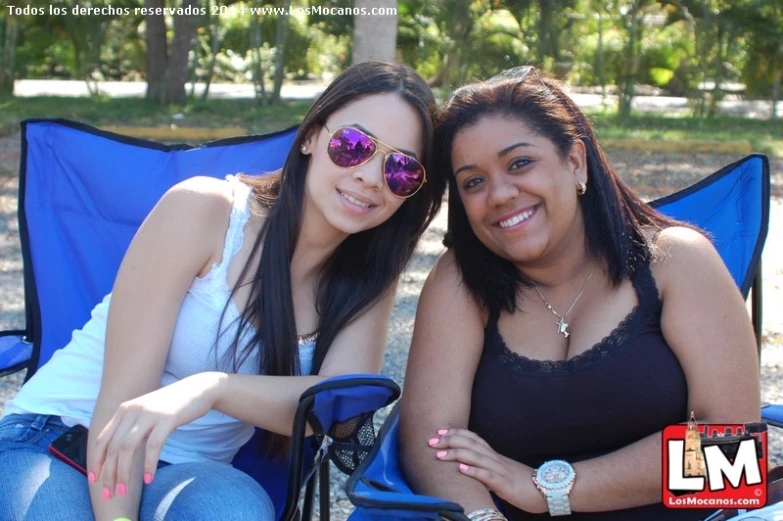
{"type": "Point", "coordinates": [518, 218]}
{"type": "Point", "coordinates": [355, 201]}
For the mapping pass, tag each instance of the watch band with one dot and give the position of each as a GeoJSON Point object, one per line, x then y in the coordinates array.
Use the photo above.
{"type": "Point", "coordinates": [558, 503]}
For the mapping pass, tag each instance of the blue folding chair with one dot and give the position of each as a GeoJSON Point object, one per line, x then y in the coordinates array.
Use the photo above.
{"type": "Point", "coordinates": [731, 204]}
{"type": "Point", "coordinates": [82, 195]}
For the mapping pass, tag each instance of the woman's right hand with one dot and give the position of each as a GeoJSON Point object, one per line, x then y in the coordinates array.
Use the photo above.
{"type": "Point", "coordinates": [142, 426]}
{"type": "Point", "coordinates": [182, 236]}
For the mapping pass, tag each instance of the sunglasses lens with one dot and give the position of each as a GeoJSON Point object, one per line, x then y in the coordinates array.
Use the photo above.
{"type": "Point", "coordinates": [350, 147]}
{"type": "Point", "coordinates": [404, 174]}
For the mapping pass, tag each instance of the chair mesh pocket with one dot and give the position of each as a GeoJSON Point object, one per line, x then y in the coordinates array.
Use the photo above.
{"type": "Point", "coordinates": [353, 440]}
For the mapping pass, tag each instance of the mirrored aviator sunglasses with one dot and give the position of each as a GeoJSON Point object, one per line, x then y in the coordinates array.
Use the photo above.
{"type": "Point", "coordinates": [349, 147]}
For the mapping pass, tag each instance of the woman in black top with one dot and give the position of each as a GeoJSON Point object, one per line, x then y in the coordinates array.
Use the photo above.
{"type": "Point", "coordinates": [567, 321]}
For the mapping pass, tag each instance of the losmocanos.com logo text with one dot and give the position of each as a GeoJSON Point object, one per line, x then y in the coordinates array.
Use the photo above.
{"type": "Point", "coordinates": [721, 466]}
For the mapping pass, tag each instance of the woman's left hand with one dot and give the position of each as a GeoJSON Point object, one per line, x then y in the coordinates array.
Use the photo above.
{"type": "Point", "coordinates": [508, 479]}
{"type": "Point", "coordinates": [146, 423]}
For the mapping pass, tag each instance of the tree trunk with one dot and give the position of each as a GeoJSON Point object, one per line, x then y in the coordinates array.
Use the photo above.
{"type": "Point", "coordinates": [157, 53]}
{"type": "Point", "coordinates": [281, 35]}
{"type": "Point", "coordinates": [214, 23]}
{"type": "Point", "coordinates": [184, 32]}
{"type": "Point", "coordinates": [8, 54]}
{"type": "Point", "coordinates": [599, 55]}
{"type": "Point", "coordinates": [717, 89]}
{"type": "Point", "coordinates": [544, 21]}
{"type": "Point", "coordinates": [440, 77]}
{"type": "Point", "coordinates": [375, 37]}
{"type": "Point", "coordinates": [258, 69]}
{"type": "Point", "coordinates": [628, 83]}
{"type": "Point", "coordinates": [775, 86]}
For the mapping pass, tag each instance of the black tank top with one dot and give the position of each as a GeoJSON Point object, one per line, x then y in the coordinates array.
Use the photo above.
{"type": "Point", "coordinates": [624, 388]}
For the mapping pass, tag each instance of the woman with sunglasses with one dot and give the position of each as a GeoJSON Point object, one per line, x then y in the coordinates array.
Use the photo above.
{"type": "Point", "coordinates": [565, 327]}
{"type": "Point", "coordinates": [234, 297]}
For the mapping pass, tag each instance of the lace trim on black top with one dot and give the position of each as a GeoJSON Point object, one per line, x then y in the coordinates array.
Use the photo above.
{"type": "Point", "coordinates": [648, 309]}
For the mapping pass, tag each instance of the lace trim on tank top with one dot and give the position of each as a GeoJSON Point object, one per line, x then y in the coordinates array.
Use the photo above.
{"type": "Point", "coordinates": [216, 280]}
{"type": "Point", "coordinates": [648, 308]}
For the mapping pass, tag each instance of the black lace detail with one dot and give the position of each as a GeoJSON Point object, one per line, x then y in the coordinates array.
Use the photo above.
{"type": "Point", "coordinates": [648, 309]}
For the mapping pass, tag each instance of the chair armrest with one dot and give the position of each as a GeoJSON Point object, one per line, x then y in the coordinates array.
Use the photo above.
{"type": "Point", "coordinates": [379, 491]}
{"type": "Point", "coordinates": [15, 351]}
{"type": "Point", "coordinates": [772, 414]}
{"type": "Point", "coordinates": [341, 405]}
{"type": "Point", "coordinates": [342, 398]}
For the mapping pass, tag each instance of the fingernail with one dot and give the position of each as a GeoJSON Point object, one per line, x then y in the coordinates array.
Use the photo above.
{"type": "Point", "coordinates": [91, 477]}
{"type": "Point", "coordinates": [463, 467]}
{"type": "Point", "coordinates": [147, 478]}
{"type": "Point", "coordinates": [442, 454]}
{"type": "Point", "coordinates": [121, 490]}
{"type": "Point", "coordinates": [433, 441]}
{"type": "Point", "coordinates": [106, 493]}
{"type": "Point", "coordinates": [442, 432]}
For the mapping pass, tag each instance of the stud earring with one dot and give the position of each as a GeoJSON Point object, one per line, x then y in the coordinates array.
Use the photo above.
{"type": "Point", "coordinates": [304, 149]}
{"type": "Point", "coordinates": [582, 190]}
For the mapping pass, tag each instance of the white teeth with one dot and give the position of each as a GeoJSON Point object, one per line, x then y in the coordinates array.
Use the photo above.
{"type": "Point", "coordinates": [354, 200]}
{"type": "Point", "coordinates": [516, 219]}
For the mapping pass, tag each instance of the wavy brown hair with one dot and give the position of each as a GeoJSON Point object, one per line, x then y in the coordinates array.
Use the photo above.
{"type": "Point", "coordinates": [614, 216]}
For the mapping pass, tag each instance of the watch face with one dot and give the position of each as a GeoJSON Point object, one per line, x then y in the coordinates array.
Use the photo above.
{"type": "Point", "coordinates": [555, 473]}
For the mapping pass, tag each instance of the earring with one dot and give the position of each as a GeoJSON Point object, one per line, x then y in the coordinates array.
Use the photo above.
{"type": "Point", "coordinates": [582, 190]}
{"type": "Point", "coordinates": [304, 149]}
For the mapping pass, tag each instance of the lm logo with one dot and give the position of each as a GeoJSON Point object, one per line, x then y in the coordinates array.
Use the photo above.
{"type": "Point", "coordinates": [722, 466]}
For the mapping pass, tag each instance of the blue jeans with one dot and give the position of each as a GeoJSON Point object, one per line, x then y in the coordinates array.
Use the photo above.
{"type": "Point", "coordinates": [35, 486]}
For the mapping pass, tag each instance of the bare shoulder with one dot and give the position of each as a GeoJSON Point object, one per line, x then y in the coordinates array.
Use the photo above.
{"type": "Point", "coordinates": [685, 256]}
{"type": "Point", "coordinates": [198, 209]}
{"type": "Point", "coordinates": [445, 280]}
{"type": "Point", "coordinates": [204, 193]}
{"type": "Point", "coordinates": [445, 293]}
{"type": "Point", "coordinates": [205, 201]}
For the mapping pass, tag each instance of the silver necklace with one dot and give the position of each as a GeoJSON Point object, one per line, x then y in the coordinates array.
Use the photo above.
{"type": "Point", "coordinates": [562, 325]}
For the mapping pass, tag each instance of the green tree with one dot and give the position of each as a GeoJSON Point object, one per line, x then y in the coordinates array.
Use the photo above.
{"type": "Point", "coordinates": [167, 63]}
{"type": "Point", "coordinates": [762, 21]}
{"type": "Point", "coordinates": [9, 34]}
{"type": "Point", "coordinates": [633, 13]}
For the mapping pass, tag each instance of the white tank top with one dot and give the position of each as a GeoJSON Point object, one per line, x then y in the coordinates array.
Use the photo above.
{"type": "Point", "coordinates": [69, 383]}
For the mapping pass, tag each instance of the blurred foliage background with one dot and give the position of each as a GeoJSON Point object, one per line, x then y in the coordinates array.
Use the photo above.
{"type": "Point", "coordinates": [705, 50]}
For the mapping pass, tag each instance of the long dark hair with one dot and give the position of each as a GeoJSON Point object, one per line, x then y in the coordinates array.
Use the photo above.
{"type": "Point", "coordinates": [361, 270]}
{"type": "Point", "coordinates": [614, 216]}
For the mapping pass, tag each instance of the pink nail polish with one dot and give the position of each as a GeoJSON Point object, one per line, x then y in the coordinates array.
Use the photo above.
{"type": "Point", "coordinates": [441, 454]}
{"type": "Point", "coordinates": [442, 432]}
{"type": "Point", "coordinates": [147, 478]}
{"type": "Point", "coordinates": [106, 493]}
{"type": "Point", "coordinates": [463, 467]}
{"type": "Point", "coordinates": [91, 477]}
{"type": "Point", "coordinates": [433, 441]}
{"type": "Point", "coordinates": [121, 489]}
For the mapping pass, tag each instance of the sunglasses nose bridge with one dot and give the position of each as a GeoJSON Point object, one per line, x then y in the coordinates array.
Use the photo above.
{"type": "Point", "coordinates": [370, 172]}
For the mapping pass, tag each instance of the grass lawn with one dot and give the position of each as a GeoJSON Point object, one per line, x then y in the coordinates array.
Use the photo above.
{"type": "Point", "coordinates": [765, 136]}
{"type": "Point", "coordinates": [138, 112]}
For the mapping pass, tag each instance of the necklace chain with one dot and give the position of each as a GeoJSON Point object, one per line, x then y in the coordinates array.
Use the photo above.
{"type": "Point", "coordinates": [562, 325]}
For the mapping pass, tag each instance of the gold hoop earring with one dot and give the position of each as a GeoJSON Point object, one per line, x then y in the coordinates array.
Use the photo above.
{"type": "Point", "coordinates": [582, 190]}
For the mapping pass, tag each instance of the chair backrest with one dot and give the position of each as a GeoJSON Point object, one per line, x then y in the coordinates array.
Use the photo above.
{"type": "Point", "coordinates": [732, 205]}
{"type": "Point", "coordinates": [83, 195]}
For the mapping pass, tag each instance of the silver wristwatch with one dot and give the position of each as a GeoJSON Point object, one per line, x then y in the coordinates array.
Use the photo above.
{"type": "Point", "coordinates": [555, 479]}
